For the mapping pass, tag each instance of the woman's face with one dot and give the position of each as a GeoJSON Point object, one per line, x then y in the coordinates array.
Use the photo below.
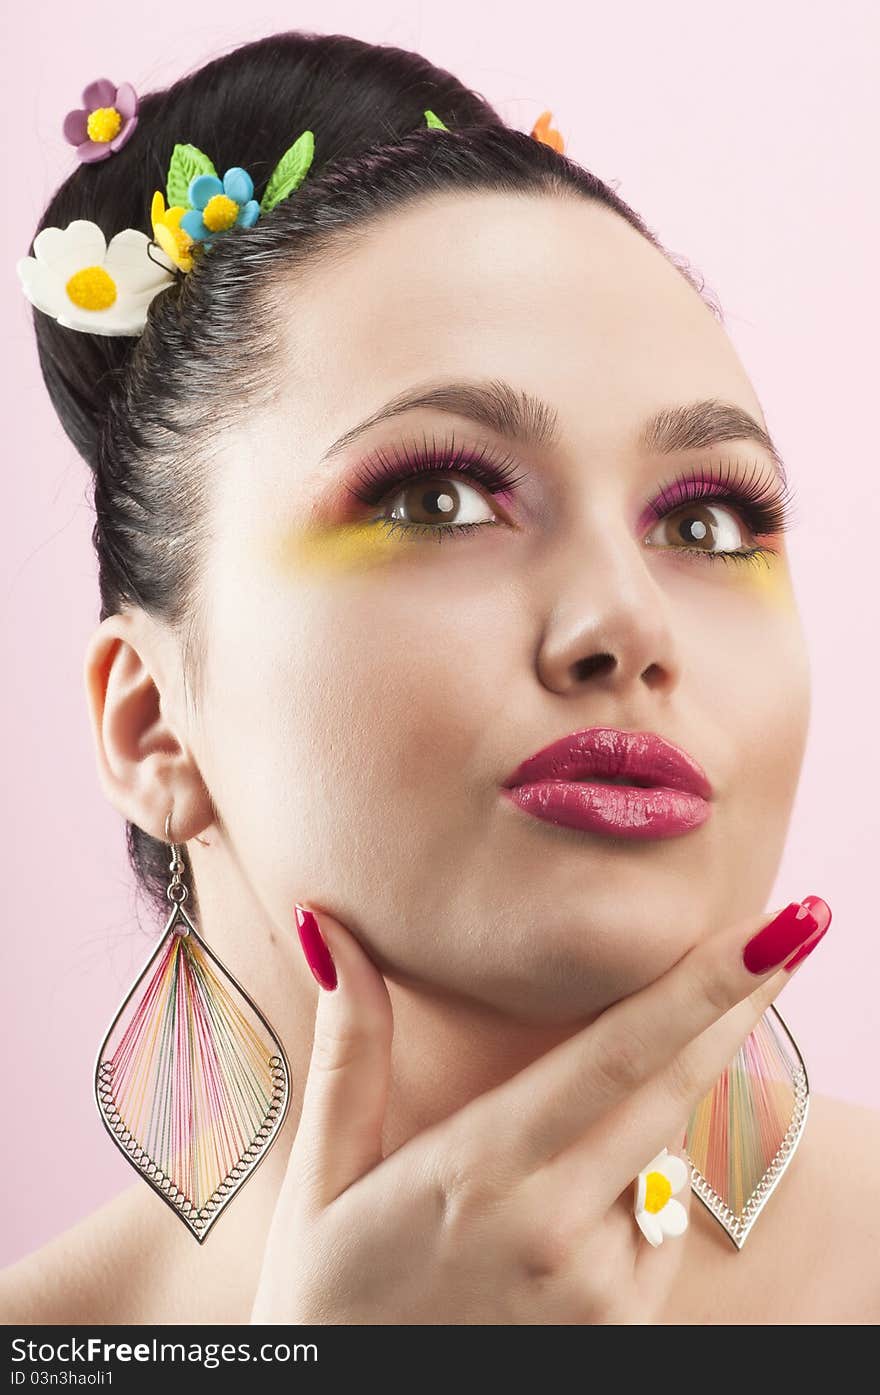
{"type": "Point", "coordinates": [364, 704]}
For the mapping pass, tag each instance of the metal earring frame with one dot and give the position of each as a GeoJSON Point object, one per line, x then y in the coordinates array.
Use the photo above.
{"type": "Point", "coordinates": [738, 1227]}
{"type": "Point", "coordinates": [198, 1222]}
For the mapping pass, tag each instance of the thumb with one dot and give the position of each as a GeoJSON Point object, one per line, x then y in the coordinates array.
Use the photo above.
{"type": "Point", "coordinates": [339, 1136]}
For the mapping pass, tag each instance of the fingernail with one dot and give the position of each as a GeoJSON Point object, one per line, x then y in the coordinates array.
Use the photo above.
{"type": "Point", "coordinates": [775, 942]}
{"type": "Point", "coordinates": [822, 911]}
{"type": "Point", "coordinates": [315, 949]}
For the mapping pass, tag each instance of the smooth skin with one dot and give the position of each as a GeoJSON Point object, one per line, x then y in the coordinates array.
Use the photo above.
{"type": "Point", "coordinates": [517, 1209]}
{"type": "Point", "coordinates": [343, 746]}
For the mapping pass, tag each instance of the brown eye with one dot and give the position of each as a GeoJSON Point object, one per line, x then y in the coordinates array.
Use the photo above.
{"type": "Point", "coordinates": [699, 528]}
{"type": "Point", "coordinates": [439, 501]}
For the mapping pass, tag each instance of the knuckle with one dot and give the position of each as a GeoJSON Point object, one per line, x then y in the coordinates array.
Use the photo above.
{"type": "Point", "coordinates": [712, 985]}
{"type": "Point", "coordinates": [545, 1247]}
{"type": "Point", "coordinates": [340, 1048]}
{"type": "Point", "coordinates": [472, 1188]}
{"type": "Point", "coordinates": [461, 1176]}
{"type": "Point", "coordinates": [620, 1059]}
{"type": "Point", "coordinates": [683, 1077]}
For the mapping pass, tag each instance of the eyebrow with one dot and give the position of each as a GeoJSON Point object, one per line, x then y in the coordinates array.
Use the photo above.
{"type": "Point", "coordinates": [519, 415]}
{"type": "Point", "coordinates": [698, 425]}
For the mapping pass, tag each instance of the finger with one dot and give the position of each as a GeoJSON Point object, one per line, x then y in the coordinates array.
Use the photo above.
{"type": "Point", "coordinates": [660, 1109]}
{"type": "Point", "coordinates": [339, 1136]}
{"type": "Point", "coordinates": [628, 1254]}
{"type": "Point", "coordinates": [554, 1100]}
{"type": "Point", "coordinates": [656, 1266]}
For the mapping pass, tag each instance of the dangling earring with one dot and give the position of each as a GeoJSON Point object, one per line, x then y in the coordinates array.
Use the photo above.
{"type": "Point", "coordinates": [191, 1081]}
{"type": "Point", "coordinates": [744, 1132]}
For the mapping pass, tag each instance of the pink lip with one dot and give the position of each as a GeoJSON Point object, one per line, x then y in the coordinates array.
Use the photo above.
{"type": "Point", "coordinates": [669, 793]}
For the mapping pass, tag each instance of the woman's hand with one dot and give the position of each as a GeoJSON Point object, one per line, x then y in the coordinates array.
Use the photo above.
{"type": "Point", "coordinates": [518, 1207]}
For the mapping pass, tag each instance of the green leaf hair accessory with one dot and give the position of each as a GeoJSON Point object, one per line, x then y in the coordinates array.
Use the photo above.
{"type": "Point", "coordinates": [290, 171]}
{"type": "Point", "coordinates": [434, 122]}
{"type": "Point", "coordinates": [187, 161]}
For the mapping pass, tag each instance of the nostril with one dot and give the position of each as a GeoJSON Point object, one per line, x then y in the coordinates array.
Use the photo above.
{"type": "Point", "coordinates": [584, 668]}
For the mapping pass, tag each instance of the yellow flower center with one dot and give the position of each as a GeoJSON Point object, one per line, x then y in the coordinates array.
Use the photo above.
{"type": "Point", "coordinates": [220, 213]}
{"type": "Point", "coordinates": [104, 123]}
{"type": "Point", "coordinates": [658, 1190]}
{"type": "Point", "coordinates": [93, 288]}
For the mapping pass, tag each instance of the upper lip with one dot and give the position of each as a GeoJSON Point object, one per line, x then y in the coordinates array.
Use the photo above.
{"type": "Point", "coordinates": [608, 751]}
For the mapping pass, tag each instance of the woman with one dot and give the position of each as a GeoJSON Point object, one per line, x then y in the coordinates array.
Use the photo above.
{"type": "Point", "coordinates": [457, 332]}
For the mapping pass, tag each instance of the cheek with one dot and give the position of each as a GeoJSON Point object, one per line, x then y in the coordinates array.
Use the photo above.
{"type": "Point", "coordinates": [401, 685]}
{"type": "Point", "coordinates": [364, 704]}
{"type": "Point", "coordinates": [767, 677]}
{"type": "Point", "coordinates": [395, 654]}
{"type": "Point", "coordinates": [755, 680]}
{"type": "Point", "coordinates": [744, 659]}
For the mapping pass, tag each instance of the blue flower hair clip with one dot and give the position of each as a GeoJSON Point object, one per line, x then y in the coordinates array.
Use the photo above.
{"type": "Point", "coordinates": [88, 285]}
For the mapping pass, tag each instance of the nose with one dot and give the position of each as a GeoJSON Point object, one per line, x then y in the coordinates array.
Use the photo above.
{"type": "Point", "coordinates": [608, 620]}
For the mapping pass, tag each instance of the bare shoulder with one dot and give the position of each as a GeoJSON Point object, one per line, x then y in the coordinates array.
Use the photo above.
{"type": "Point", "coordinates": [131, 1261]}
{"type": "Point", "coordinates": [845, 1136]}
{"type": "Point", "coordinates": [127, 1261]}
{"type": "Point", "coordinates": [814, 1253]}
{"type": "Point", "coordinates": [833, 1229]}
{"type": "Point", "coordinates": [824, 1240]}
{"type": "Point", "coordinates": [84, 1274]}
{"type": "Point", "coordinates": [834, 1194]}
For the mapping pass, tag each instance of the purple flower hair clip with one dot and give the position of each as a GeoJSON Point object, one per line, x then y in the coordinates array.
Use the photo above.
{"type": "Point", "coordinates": [104, 122]}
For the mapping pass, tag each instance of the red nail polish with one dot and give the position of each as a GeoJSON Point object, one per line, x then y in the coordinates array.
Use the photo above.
{"type": "Point", "coordinates": [775, 942]}
{"type": "Point", "coordinates": [822, 911]}
{"type": "Point", "coordinates": [315, 949]}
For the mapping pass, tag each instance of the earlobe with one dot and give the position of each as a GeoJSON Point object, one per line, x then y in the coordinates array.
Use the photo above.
{"type": "Point", "coordinates": [144, 765]}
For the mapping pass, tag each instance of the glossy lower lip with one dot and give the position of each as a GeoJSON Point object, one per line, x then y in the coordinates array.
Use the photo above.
{"type": "Point", "coordinates": [618, 811]}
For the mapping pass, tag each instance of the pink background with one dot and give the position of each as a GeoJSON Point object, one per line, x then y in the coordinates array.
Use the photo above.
{"type": "Point", "coordinates": [746, 136]}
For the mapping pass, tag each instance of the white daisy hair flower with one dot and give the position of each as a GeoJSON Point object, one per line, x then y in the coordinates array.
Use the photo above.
{"type": "Point", "coordinates": [657, 1212]}
{"type": "Point", "coordinates": [86, 284]}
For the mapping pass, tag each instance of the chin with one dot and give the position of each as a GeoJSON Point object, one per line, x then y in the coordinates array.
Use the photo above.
{"type": "Point", "coordinates": [564, 988]}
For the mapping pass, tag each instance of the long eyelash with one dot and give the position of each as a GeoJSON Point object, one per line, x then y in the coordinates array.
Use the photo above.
{"type": "Point", "coordinates": [765, 503]}
{"type": "Point", "coordinates": [381, 471]}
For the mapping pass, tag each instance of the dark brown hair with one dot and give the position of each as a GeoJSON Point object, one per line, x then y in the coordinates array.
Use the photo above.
{"type": "Point", "coordinates": [138, 409]}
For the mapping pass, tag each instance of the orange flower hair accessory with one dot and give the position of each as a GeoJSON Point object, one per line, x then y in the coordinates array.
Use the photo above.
{"type": "Point", "coordinates": [545, 133]}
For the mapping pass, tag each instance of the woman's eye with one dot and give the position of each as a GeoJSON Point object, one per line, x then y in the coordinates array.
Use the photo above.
{"type": "Point", "coordinates": [699, 527]}
{"type": "Point", "coordinates": [439, 501]}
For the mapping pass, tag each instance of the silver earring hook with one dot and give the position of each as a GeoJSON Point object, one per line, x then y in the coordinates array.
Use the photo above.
{"type": "Point", "coordinates": [205, 842]}
{"type": "Point", "coordinates": [176, 890]}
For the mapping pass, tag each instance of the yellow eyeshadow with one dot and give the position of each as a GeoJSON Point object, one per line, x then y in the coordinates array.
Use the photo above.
{"type": "Point", "coordinates": [770, 578]}
{"type": "Point", "coordinates": [341, 547]}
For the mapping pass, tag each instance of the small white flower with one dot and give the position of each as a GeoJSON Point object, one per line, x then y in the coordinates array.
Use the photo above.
{"type": "Point", "coordinates": [83, 283]}
{"type": "Point", "coordinates": [656, 1211]}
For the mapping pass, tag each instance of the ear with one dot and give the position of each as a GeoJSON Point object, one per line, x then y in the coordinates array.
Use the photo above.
{"type": "Point", "coordinates": [144, 765]}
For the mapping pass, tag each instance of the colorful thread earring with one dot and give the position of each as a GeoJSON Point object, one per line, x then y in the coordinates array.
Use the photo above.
{"type": "Point", "coordinates": [191, 1081]}
{"type": "Point", "coordinates": [744, 1132]}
